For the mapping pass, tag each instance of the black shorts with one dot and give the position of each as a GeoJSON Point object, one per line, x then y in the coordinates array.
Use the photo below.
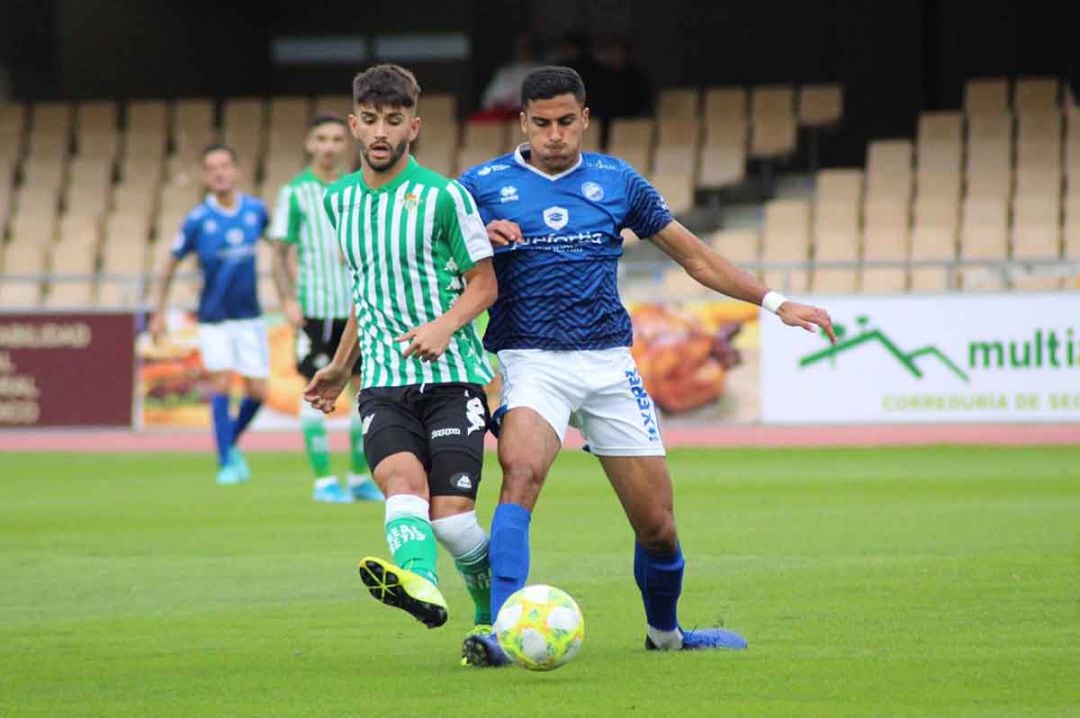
{"type": "Point", "coordinates": [316, 343]}
{"type": "Point", "coordinates": [442, 425]}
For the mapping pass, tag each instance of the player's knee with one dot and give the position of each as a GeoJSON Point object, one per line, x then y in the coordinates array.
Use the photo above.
{"type": "Point", "coordinates": [657, 534]}
{"type": "Point", "coordinates": [522, 480]}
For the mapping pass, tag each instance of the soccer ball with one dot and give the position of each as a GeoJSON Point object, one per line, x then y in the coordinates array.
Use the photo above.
{"type": "Point", "coordinates": [540, 627]}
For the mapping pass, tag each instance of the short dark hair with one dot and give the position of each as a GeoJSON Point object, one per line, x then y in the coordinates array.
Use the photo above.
{"type": "Point", "coordinates": [218, 147]}
{"type": "Point", "coordinates": [544, 83]}
{"type": "Point", "coordinates": [386, 86]}
{"type": "Point", "coordinates": [327, 118]}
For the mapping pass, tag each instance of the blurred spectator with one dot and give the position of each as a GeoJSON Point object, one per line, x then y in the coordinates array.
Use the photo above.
{"type": "Point", "coordinates": [504, 90]}
{"type": "Point", "coordinates": [623, 89]}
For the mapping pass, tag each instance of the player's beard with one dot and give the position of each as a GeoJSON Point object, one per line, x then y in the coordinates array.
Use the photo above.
{"type": "Point", "coordinates": [395, 155]}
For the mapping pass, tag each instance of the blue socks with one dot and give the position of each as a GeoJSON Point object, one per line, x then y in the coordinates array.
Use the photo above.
{"type": "Point", "coordinates": [659, 576]}
{"type": "Point", "coordinates": [248, 409]}
{"type": "Point", "coordinates": [508, 552]}
{"type": "Point", "coordinates": [223, 426]}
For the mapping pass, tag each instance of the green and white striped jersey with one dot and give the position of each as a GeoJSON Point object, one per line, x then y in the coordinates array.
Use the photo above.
{"type": "Point", "coordinates": [409, 244]}
{"type": "Point", "coordinates": [324, 285]}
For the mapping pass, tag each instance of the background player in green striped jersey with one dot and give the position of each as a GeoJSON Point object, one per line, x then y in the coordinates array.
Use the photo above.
{"type": "Point", "coordinates": [422, 268]}
{"type": "Point", "coordinates": [320, 297]}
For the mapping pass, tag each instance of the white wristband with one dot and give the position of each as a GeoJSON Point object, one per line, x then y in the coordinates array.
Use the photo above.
{"type": "Point", "coordinates": [772, 301]}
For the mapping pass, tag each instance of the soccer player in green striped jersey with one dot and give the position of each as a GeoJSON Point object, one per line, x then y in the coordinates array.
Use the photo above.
{"type": "Point", "coordinates": [422, 272]}
{"type": "Point", "coordinates": [320, 294]}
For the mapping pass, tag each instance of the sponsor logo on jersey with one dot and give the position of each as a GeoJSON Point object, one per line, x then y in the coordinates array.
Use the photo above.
{"type": "Point", "coordinates": [234, 236]}
{"type": "Point", "coordinates": [508, 193]}
{"type": "Point", "coordinates": [209, 226]}
{"type": "Point", "coordinates": [488, 169]}
{"type": "Point", "coordinates": [461, 481]}
{"type": "Point", "coordinates": [556, 217]}
{"type": "Point", "coordinates": [250, 219]}
{"type": "Point", "coordinates": [441, 433]}
{"type": "Point", "coordinates": [592, 191]}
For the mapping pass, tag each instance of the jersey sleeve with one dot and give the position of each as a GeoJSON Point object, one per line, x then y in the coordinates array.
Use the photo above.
{"type": "Point", "coordinates": [286, 222]}
{"type": "Point", "coordinates": [332, 204]}
{"type": "Point", "coordinates": [460, 223]}
{"type": "Point", "coordinates": [469, 182]}
{"type": "Point", "coordinates": [647, 213]}
{"type": "Point", "coordinates": [186, 238]}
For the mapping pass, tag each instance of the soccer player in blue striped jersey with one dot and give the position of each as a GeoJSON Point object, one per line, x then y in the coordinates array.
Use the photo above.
{"type": "Point", "coordinates": [554, 215]}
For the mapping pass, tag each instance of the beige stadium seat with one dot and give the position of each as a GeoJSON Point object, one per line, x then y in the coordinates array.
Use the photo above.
{"type": "Point", "coordinates": [24, 256]}
{"type": "Point", "coordinates": [1036, 227]}
{"type": "Point", "coordinates": [184, 292]}
{"type": "Point", "coordinates": [677, 189]}
{"type": "Point", "coordinates": [73, 259]}
{"type": "Point", "coordinates": [243, 130]}
{"type": "Point", "coordinates": [984, 229]}
{"type": "Point", "coordinates": [835, 229]}
{"type": "Point", "coordinates": [53, 118]}
{"type": "Point", "coordinates": [1071, 229]}
{"type": "Point", "coordinates": [839, 185]}
{"type": "Point", "coordinates": [939, 184]}
{"type": "Point", "coordinates": [988, 161]}
{"type": "Point", "coordinates": [39, 230]}
{"type": "Point", "coordinates": [772, 100]}
{"type": "Point", "coordinates": [1038, 133]}
{"type": "Point", "coordinates": [439, 108]}
{"type": "Point", "coordinates": [80, 231]}
{"type": "Point", "coordinates": [71, 294]}
{"type": "Point", "coordinates": [678, 103]}
{"type": "Point", "coordinates": [340, 105]}
{"type": "Point", "coordinates": [482, 141]}
{"type": "Point", "coordinates": [724, 104]}
{"type": "Point", "coordinates": [677, 285]}
{"type": "Point", "coordinates": [886, 238]}
{"type": "Point", "coordinates": [986, 94]}
{"type": "Point", "coordinates": [12, 125]}
{"type": "Point", "coordinates": [835, 280]}
{"type": "Point", "coordinates": [820, 105]}
{"type": "Point", "coordinates": [883, 280]}
{"type": "Point", "coordinates": [889, 169]}
{"type": "Point", "coordinates": [119, 294]}
{"type": "Point", "coordinates": [147, 117]}
{"type": "Point", "coordinates": [125, 259]}
{"type": "Point", "coordinates": [193, 127]}
{"type": "Point", "coordinates": [1035, 93]}
{"type": "Point", "coordinates": [940, 126]}
{"type": "Point", "coordinates": [132, 230]}
{"type": "Point", "coordinates": [133, 198]}
{"type": "Point", "coordinates": [773, 136]}
{"type": "Point", "coordinates": [18, 294]}
{"type": "Point", "coordinates": [934, 228]}
{"type": "Point", "coordinates": [38, 203]}
{"type": "Point", "coordinates": [447, 133]}
{"type": "Point", "coordinates": [786, 238]}
{"type": "Point", "coordinates": [721, 165]}
{"type": "Point", "coordinates": [43, 171]}
{"type": "Point", "coordinates": [741, 246]}
{"type": "Point", "coordinates": [631, 139]}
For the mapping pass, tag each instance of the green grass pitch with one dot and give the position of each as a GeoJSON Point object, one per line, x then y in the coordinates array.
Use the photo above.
{"type": "Point", "coordinates": [937, 581]}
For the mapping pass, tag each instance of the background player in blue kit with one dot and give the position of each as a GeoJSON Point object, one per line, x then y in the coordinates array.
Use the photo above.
{"type": "Point", "coordinates": [562, 337]}
{"type": "Point", "coordinates": [223, 232]}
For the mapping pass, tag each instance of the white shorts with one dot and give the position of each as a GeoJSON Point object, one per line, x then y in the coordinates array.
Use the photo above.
{"type": "Point", "coordinates": [598, 391]}
{"type": "Point", "coordinates": [238, 345]}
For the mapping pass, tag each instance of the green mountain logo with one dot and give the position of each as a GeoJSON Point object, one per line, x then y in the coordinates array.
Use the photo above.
{"type": "Point", "coordinates": [867, 337]}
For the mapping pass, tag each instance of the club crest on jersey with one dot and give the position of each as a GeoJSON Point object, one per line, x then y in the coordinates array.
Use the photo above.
{"type": "Point", "coordinates": [209, 226]}
{"type": "Point", "coordinates": [234, 236]}
{"type": "Point", "coordinates": [592, 191]}
{"type": "Point", "coordinates": [508, 193]}
{"type": "Point", "coordinates": [412, 201]}
{"type": "Point", "coordinates": [250, 219]}
{"type": "Point", "coordinates": [556, 217]}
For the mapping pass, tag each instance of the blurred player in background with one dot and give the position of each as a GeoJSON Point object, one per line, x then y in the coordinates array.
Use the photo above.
{"type": "Point", "coordinates": [223, 232]}
{"type": "Point", "coordinates": [422, 265]}
{"type": "Point", "coordinates": [563, 340]}
{"type": "Point", "coordinates": [319, 298]}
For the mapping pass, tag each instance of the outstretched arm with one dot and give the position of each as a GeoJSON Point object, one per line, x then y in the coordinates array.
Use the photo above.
{"type": "Point", "coordinates": [713, 271]}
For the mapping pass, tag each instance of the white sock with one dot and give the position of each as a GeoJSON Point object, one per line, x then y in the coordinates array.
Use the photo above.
{"type": "Point", "coordinates": [324, 482]}
{"type": "Point", "coordinates": [665, 640]}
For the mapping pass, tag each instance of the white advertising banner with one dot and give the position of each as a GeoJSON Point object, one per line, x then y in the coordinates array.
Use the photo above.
{"type": "Point", "coordinates": [1005, 358]}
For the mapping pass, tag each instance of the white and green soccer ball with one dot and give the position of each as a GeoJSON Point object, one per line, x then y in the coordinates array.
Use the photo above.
{"type": "Point", "coordinates": [540, 627]}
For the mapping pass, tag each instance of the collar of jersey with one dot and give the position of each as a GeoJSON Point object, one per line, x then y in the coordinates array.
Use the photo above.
{"type": "Point", "coordinates": [392, 184]}
{"type": "Point", "coordinates": [211, 200]}
{"type": "Point", "coordinates": [519, 157]}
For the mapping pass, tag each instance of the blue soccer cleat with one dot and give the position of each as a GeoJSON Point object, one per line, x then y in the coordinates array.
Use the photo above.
{"type": "Point", "coordinates": [237, 461]}
{"type": "Point", "coordinates": [227, 475]}
{"type": "Point", "coordinates": [332, 494]}
{"type": "Point", "coordinates": [366, 490]}
{"type": "Point", "coordinates": [703, 639]}
{"type": "Point", "coordinates": [483, 651]}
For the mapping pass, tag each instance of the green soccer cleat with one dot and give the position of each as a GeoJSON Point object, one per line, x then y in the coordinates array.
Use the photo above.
{"type": "Point", "coordinates": [406, 590]}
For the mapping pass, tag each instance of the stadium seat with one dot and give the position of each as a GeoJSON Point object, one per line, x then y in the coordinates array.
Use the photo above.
{"type": "Point", "coordinates": [439, 108]}
{"type": "Point", "coordinates": [340, 105]}
{"type": "Point", "coordinates": [287, 122]}
{"type": "Point", "coordinates": [71, 294]}
{"type": "Point", "coordinates": [786, 239]}
{"type": "Point", "coordinates": [79, 231]}
{"type": "Point", "coordinates": [721, 165]}
{"type": "Point", "coordinates": [886, 238]}
{"type": "Point", "coordinates": [12, 129]}
{"type": "Point", "coordinates": [677, 189]}
{"type": "Point", "coordinates": [988, 161]}
{"type": "Point", "coordinates": [147, 117]}
{"type": "Point", "coordinates": [438, 155]}
{"type": "Point", "coordinates": [125, 259]}
{"type": "Point", "coordinates": [19, 293]}
{"type": "Point", "coordinates": [119, 294]}
{"type": "Point", "coordinates": [244, 119]}
{"type": "Point", "coordinates": [481, 142]}
{"type": "Point", "coordinates": [632, 140]}
{"type": "Point", "coordinates": [132, 230]}
{"type": "Point", "coordinates": [34, 228]}
{"type": "Point", "coordinates": [679, 103]}
{"type": "Point", "coordinates": [1036, 227]}
{"type": "Point", "coordinates": [677, 286]}
{"type": "Point", "coordinates": [1035, 93]}
{"type": "Point", "coordinates": [193, 127]}
{"type": "Point", "coordinates": [723, 104]}
{"type": "Point", "coordinates": [986, 94]}
{"type": "Point", "coordinates": [835, 229]}
{"type": "Point", "coordinates": [820, 105]}
{"type": "Point", "coordinates": [741, 246]}
{"type": "Point", "coordinates": [772, 121]}
{"type": "Point", "coordinates": [889, 169]}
